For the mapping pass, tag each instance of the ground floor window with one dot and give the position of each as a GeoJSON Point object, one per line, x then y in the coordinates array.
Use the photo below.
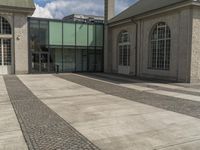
{"type": "Point", "coordinates": [67, 59]}
{"type": "Point", "coordinates": [160, 44]}
{"type": "Point", "coordinates": [5, 52]}
{"type": "Point", "coordinates": [124, 55]}
{"type": "Point", "coordinates": [124, 48]}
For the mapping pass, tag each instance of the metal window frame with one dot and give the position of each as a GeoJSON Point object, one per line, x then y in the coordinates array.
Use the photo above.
{"type": "Point", "coordinates": [124, 44]}
{"type": "Point", "coordinates": [65, 46]}
{"type": "Point", "coordinates": [157, 40]}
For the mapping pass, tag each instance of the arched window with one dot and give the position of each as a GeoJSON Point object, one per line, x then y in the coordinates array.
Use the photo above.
{"type": "Point", "coordinates": [160, 43]}
{"type": "Point", "coordinates": [4, 26]}
{"type": "Point", "coordinates": [124, 49]}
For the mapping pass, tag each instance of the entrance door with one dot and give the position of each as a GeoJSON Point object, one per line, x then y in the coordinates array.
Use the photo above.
{"type": "Point", "coordinates": [44, 62]}
{"type": "Point", "coordinates": [40, 62]}
{"type": "Point", "coordinates": [5, 56]}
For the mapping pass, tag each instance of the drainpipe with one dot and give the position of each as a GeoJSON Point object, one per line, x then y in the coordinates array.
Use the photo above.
{"type": "Point", "coordinates": [13, 45]}
{"type": "Point", "coordinates": [136, 47]}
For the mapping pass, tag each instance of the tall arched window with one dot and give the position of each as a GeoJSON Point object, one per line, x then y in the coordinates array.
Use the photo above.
{"type": "Point", "coordinates": [160, 44]}
{"type": "Point", "coordinates": [4, 26]}
{"type": "Point", "coordinates": [124, 49]}
{"type": "Point", "coordinates": [5, 43]}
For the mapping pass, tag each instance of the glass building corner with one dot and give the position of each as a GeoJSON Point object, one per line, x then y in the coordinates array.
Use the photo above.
{"type": "Point", "coordinates": [57, 45]}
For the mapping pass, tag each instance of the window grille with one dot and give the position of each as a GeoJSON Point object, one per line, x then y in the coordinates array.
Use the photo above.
{"type": "Point", "coordinates": [160, 44]}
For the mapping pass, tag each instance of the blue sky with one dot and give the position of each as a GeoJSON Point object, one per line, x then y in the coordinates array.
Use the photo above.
{"type": "Point", "coordinates": [61, 8]}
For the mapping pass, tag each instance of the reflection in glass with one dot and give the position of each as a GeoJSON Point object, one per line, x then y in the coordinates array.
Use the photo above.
{"type": "Point", "coordinates": [91, 60]}
{"type": "Point", "coordinates": [55, 59]}
{"type": "Point", "coordinates": [99, 35]}
{"type": "Point", "coordinates": [91, 35]}
{"type": "Point", "coordinates": [84, 60]}
{"type": "Point", "coordinates": [44, 33]}
{"type": "Point", "coordinates": [81, 34]}
{"type": "Point", "coordinates": [81, 59]}
{"type": "Point", "coordinates": [55, 33]}
{"type": "Point", "coordinates": [34, 35]}
{"type": "Point", "coordinates": [70, 46]}
{"type": "Point", "coordinates": [44, 62]}
{"type": "Point", "coordinates": [35, 63]}
{"type": "Point", "coordinates": [69, 34]}
{"type": "Point", "coordinates": [69, 60]}
{"type": "Point", "coordinates": [99, 59]}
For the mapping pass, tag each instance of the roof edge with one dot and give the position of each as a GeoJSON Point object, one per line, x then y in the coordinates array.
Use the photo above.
{"type": "Point", "coordinates": [17, 9]}
{"type": "Point", "coordinates": [151, 11]}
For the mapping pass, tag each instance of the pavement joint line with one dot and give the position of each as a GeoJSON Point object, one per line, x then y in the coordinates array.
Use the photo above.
{"type": "Point", "coordinates": [84, 95]}
{"type": "Point", "coordinates": [9, 131]}
{"type": "Point", "coordinates": [42, 127]}
{"type": "Point", "coordinates": [181, 143]}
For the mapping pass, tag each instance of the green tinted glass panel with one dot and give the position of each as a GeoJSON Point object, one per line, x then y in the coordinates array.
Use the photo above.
{"type": "Point", "coordinates": [91, 35]}
{"type": "Point", "coordinates": [55, 33]}
{"type": "Point", "coordinates": [69, 34]}
{"type": "Point", "coordinates": [81, 35]}
{"type": "Point", "coordinates": [99, 35]}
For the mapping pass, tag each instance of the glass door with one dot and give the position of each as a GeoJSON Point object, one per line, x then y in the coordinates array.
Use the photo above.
{"type": "Point", "coordinates": [35, 63]}
{"type": "Point", "coordinates": [40, 62]}
{"type": "Point", "coordinates": [5, 56]}
{"type": "Point", "coordinates": [44, 65]}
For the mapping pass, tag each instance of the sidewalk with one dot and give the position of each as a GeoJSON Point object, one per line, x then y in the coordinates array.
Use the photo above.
{"type": "Point", "coordinates": [11, 137]}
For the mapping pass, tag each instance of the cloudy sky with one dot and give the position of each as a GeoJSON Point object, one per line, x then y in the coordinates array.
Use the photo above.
{"type": "Point", "coordinates": [61, 8]}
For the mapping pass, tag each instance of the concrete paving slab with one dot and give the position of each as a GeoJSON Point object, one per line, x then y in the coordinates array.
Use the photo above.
{"type": "Point", "coordinates": [12, 140]}
{"type": "Point", "coordinates": [193, 145]}
{"type": "Point", "coordinates": [112, 122]}
{"type": "Point", "coordinates": [8, 120]}
{"type": "Point", "coordinates": [11, 137]}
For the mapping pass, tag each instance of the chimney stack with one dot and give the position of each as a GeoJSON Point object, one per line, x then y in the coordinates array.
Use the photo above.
{"type": "Point", "coordinates": [109, 13]}
{"type": "Point", "coordinates": [109, 9]}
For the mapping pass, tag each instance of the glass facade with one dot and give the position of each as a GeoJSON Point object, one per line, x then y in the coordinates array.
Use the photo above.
{"type": "Point", "coordinates": [56, 45]}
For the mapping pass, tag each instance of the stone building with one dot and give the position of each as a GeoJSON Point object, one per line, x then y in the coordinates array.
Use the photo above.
{"type": "Point", "coordinates": [156, 39]}
{"type": "Point", "coordinates": [14, 35]}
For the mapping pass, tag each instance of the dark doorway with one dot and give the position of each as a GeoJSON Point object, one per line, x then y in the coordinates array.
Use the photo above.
{"type": "Point", "coordinates": [40, 62]}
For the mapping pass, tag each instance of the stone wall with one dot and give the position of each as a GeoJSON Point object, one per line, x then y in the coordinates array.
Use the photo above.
{"type": "Point", "coordinates": [21, 43]}
{"type": "Point", "coordinates": [114, 33]}
{"type": "Point", "coordinates": [195, 57]}
{"type": "Point", "coordinates": [180, 24]}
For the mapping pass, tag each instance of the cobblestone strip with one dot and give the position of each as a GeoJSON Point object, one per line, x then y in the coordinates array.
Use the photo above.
{"type": "Point", "coordinates": [122, 80]}
{"type": "Point", "coordinates": [43, 129]}
{"type": "Point", "coordinates": [187, 107]}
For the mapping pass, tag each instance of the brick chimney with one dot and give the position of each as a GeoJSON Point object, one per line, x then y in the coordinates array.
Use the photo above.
{"type": "Point", "coordinates": [109, 9]}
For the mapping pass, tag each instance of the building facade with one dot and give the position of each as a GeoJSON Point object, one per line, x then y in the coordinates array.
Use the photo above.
{"type": "Point", "coordinates": [151, 39]}
{"type": "Point", "coordinates": [155, 39]}
{"type": "Point", "coordinates": [14, 35]}
{"type": "Point", "coordinates": [65, 46]}
{"type": "Point", "coordinates": [36, 45]}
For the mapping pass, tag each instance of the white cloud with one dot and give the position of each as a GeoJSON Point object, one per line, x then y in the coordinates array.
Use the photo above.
{"type": "Point", "coordinates": [42, 12]}
{"type": "Point", "coordinates": [61, 8]}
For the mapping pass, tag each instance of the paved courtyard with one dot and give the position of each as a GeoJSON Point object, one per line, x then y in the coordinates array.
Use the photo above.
{"type": "Point", "coordinates": [97, 111]}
